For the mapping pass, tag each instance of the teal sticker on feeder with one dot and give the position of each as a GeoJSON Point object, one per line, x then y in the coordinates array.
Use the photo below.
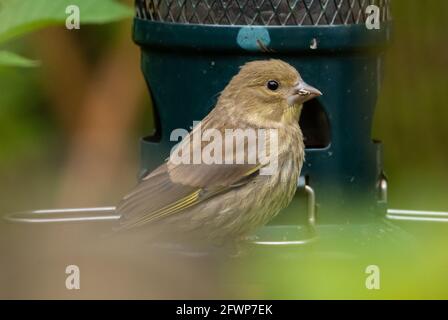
{"type": "Point", "coordinates": [253, 38]}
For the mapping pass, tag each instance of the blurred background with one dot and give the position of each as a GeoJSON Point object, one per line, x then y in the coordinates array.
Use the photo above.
{"type": "Point", "coordinates": [69, 127]}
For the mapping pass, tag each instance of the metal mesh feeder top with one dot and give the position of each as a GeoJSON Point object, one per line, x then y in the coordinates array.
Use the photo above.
{"type": "Point", "coordinates": [260, 12]}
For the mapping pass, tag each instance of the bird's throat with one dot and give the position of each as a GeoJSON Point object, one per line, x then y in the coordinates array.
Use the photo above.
{"type": "Point", "coordinates": [292, 113]}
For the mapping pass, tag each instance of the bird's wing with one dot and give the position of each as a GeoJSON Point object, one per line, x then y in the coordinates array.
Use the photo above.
{"type": "Point", "coordinates": [157, 196]}
{"type": "Point", "coordinates": [172, 188]}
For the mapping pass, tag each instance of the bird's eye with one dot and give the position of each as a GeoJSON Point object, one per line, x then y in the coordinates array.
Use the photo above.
{"type": "Point", "coordinates": [272, 85]}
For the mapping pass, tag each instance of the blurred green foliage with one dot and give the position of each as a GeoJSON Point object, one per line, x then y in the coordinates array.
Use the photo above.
{"type": "Point", "coordinates": [14, 60]}
{"type": "Point", "coordinates": [406, 271]}
{"type": "Point", "coordinates": [22, 117]}
{"type": "Point", "coordinates": [18, 17]}
{"type": "Point", "coordinates": [30, 136]}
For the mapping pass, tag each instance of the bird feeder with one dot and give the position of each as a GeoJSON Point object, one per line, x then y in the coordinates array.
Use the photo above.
{"type": "Point", "coordinates": [192, 48]}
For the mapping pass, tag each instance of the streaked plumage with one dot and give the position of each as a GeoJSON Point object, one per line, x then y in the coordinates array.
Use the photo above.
{"type": "Point", "coordinates": [222, 202]}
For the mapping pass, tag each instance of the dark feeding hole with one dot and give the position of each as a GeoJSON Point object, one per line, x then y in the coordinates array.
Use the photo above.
{"type": "Point", "coordinates": [315, 125]}
{"type": "Point", "coordinates": [154, 125]}
{"type": "Point", "coordinates": [307, 179]}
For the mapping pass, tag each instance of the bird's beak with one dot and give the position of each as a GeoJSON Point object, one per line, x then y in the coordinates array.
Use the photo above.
{"type": "Point", "coordinates": [302, 93]}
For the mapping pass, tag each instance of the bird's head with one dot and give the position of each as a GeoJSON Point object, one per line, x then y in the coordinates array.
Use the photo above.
{"type": "Point", "coordinates": [267, 90]}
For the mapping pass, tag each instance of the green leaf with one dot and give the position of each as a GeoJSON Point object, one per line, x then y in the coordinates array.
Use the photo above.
{"type": "Point", "coordinates": [18, 17]}
{"type": "Point", "coordinates": [10, 59]}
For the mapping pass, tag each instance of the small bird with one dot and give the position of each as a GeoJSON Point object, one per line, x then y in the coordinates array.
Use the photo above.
{"type": "Point", "coordinates": [222, 202]}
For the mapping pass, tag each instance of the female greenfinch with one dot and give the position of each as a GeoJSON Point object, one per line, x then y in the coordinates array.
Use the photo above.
{"type": "Point", "coordinates": [228, 200]}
